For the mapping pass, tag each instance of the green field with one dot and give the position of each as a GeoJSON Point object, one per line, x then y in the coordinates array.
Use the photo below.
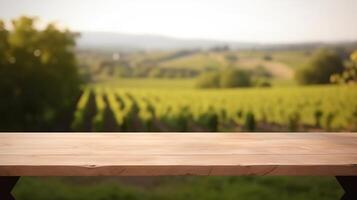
{"type": "Point", "coordinates": [164, 105]}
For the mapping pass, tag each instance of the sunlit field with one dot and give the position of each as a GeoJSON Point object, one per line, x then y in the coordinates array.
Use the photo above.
{"type": "Point", "coordinates": [163, 106]}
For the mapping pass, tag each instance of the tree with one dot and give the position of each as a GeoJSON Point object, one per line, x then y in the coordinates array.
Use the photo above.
{"type": "Point", "coordinates": [349, 75]}
{"type": "Point", "coordinates": [320, 67]}
{"type": "Point", "coordinates": [38, 75]}
{"type": "Point", "coordinates": [234, 78]}
{"type": "Point", "coordinates": [3, 42]}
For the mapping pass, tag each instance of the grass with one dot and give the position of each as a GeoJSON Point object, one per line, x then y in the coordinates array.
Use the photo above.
{"type": "Point", "coordinates": [180, 188]}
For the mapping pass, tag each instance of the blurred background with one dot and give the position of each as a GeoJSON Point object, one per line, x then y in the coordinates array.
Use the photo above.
{"type": "Point", "coordinates": [178, 66]}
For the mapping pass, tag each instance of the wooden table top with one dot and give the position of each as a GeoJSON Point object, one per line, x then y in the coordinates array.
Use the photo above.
{"type": "Point", "coordinates": [152, 154]}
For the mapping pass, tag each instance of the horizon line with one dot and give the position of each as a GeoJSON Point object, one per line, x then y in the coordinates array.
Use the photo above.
{"type": "Point", "coordinates": [220, 40]}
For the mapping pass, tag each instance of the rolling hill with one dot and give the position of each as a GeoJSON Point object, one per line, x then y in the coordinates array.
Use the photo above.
{"type": "Point", "coordinates": [145, 42]}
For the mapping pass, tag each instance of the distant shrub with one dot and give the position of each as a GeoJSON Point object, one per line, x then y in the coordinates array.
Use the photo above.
{"type": "Point", "coordinates": [320, 67]}
{"type": "Point", "coordinates": [208, 80]}
{"type": "Point", "coordinates": [229, 78]}
{"type": "Point", "coordinates": [267, 57]}
{"type": "Point", "coordinates": [234, 78]}
{"type": "Point", "coordinates": [262, 83]}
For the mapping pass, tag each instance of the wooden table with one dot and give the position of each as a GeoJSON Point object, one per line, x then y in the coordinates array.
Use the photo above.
{"type": "Point", "coordinates": [156, 154]}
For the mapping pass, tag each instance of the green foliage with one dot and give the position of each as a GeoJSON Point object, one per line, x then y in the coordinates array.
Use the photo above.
{"type": "Point", "coordinates": [349, 75]}
{"type": "Point", "coordinates": [294, 121]}
{"type": "Point", "coordinates": [157, 72]}
{"type": "Point", "coordinates": [330, 108]}
{"type": "Point", "coordinates": [320, 68]}
{"type": "Point", "coordinates": [209, 120]}
{"type": "Point", "coordinates": [38, 75]}
{"type": "Point", "coordinates": [99, 118]}
{"type": "Point", "coordinates": [81, 109]}
{"type": "Point", "coordinates": [234, 78]}
{"type": "Point", "coordinates": [259, 82]}
{"type": "Point", "coordinates": [180, 188]}
{"type": "Point", "coordinates": [228, 78]}
{"type": "Point", "coordinates": [329, 119]}
{"type": "Point", "coordinates": [249, 123]}
{"type": "Point", "coordinates": [318, 115]}
{"type": "Point", "coordinates": [208, 80]}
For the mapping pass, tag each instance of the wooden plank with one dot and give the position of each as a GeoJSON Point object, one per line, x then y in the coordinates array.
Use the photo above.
{"type": "Point", "coordinates": [154, 154]}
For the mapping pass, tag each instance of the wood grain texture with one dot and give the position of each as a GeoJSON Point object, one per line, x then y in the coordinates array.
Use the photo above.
{"type": "Point", "coordinates": [154, 154]}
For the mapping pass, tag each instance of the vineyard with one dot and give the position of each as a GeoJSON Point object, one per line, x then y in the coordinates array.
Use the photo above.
{"type": "Point", "coordinates": [108, 108]}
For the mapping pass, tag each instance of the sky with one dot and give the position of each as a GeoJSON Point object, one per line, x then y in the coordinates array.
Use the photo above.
{"type": "Point", "coordinates": [269, 21]}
